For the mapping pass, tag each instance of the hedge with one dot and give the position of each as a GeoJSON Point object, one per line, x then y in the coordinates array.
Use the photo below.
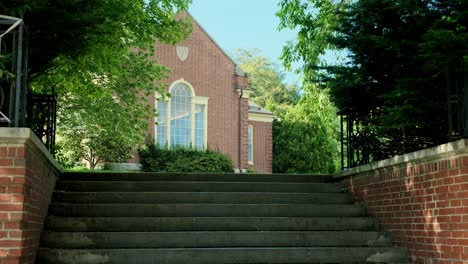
{"type": "Point", "coordinates": [155, 158]}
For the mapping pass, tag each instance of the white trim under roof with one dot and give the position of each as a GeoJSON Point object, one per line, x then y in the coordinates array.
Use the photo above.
{"type": "Point", "coordinates": [261, 117]}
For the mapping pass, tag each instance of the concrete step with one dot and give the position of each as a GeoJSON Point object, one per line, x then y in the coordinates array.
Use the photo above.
{"type": "Point", "coordinates": [202, 197]}
{"type": "Point", "coordinates": [258, 255]}
{"type": "Point", "coordinates": [209, 219]}
{"type": "Point", "coordinates": [228, 177]}
{"type": "Point", "coordinates": [96, 240]}
{"type": "Point", "coordinates": [196, 186]}
{"type": "Point", "coordinates": [152, 224]}
{"type": "Point", "coordinates": [207, 210]}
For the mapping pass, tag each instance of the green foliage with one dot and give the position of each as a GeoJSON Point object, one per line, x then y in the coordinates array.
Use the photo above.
{"type": "Point", "coordinates": [95, 144]}
{"type": "Point", "coordinates": [160, 159]}
{"type": "Point", "coordinates": [306, 139]}
{"type": "Point", "coordinates": [14, 8]}
{"type": "Point", "coordinates": [79, 169]}
{"type": "Point", "coordinates": [317, 21]}
{"type": "Point", "coordinates": [267, 82]}
{"type": "Point", "coordinates": [251, 170]}
{"type": "Point", "coordinates": [75, 28]}
{"type": "Point", "coordinates": [98, 55]}
{"type": "Point", "coordinates": [400, 55]}
{"type": "Point", "coordinates": [5, 61]}
{"type": "Point", "coordinates": [62, 159]}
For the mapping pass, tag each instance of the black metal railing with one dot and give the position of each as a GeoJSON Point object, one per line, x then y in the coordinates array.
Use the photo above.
{"type": "Point", "coordinates": [13, 72]}
{"type": "Point", "coordinates": [457, 99]}
{"type": "Point", "coordinates": [359, 145]}
{"type": "Point", "coordinates": [17, 108]}
{"type": "Point", "coordinates": [42, 117]}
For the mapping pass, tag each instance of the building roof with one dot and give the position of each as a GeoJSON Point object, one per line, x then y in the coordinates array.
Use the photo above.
{"type": "Point", "coordinates": [239, 71]}
{"type": "Point", "coordinates": [254, 108]}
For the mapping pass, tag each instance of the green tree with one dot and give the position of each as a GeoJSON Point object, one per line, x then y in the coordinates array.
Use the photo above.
{"type": "Point", "coordinates": [305, 135]}
{"type": "Point", "coordinates": [399, 54]}
{"type": "Point", "coordinates": [76, 28]}
{"type": "Point", "coordinates": [267, 82]}
{"type": "Point", "coordinates": [101, 135]}
{"type": "Point", "coordinates": [98, 55]}
{"type": "Point", "coordinates": [306, 139]}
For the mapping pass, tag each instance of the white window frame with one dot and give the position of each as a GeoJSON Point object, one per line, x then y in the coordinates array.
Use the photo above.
{"type": "Point", "coordinates": [195, 100]}
{"type": "Point", "coordinates": [250, 147]}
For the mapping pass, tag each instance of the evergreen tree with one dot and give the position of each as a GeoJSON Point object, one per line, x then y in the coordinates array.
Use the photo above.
{"type": "Point", "coordinates": [399, 54]}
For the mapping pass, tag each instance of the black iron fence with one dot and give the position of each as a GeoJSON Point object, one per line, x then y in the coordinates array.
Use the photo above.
{"type": "Point", "coordinates": [17, 108]}
{"type": "Point", "coordinates": [359, 145]}
{"type": "Point", "coordinates": [354, 148]}
{"type": "Point", "coordinates": [457, 101]}
{"type": "Point", "coordinates": [42, 110]}
{"type": "Point", "coordinates": [13, 72]}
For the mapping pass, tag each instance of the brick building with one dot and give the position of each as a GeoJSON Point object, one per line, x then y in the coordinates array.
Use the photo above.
{"type": "Point", "coordinates": [209, 104]}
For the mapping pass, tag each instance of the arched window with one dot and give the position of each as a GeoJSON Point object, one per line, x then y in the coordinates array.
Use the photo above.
{"type": "Point", "coordinates": [181, 115]}
{"type": "Point", "coordinates": [182, 120]}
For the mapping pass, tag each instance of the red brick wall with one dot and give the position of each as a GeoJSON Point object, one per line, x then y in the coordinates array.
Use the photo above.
{"type": "Point", "coordinates": [424, 203]}
{"type": "Point", "coordinates": [241, 81]}
{"type": "Point", "coordinates": [212, 74]}
{"type": "Point", "coordinates": [262, 146]}
{"type": "Point", "coordinates": [27, 179]}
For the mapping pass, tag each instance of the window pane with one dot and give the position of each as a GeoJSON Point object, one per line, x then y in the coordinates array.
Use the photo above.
{"type": "Point", "coordinates": [162, 124]}
{"type": "Point", "coordinates": [180, 115]}
{"type": "Point", "coordinates": [250, 146]}
{"type": "Point", "coordinates": [199, 126]}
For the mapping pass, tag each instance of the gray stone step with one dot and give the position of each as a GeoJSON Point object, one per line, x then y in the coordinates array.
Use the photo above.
{"type": "Point", "coordinates": [151, 224]}
{"type": "Point", "coordinates": [96, 240]}
{"type": "Point", "coordinates": [197, 210]}
{"type": "Point", "coordinates": [228, 177]}
{"type": "Point", "coordinates": [259, 255]}
{"type": "Point", "coordinates": [202, 197]}
{"type": "Point", "coordinates": [183, 186]}
{"type": "Point", "coordinates": [209, 219]}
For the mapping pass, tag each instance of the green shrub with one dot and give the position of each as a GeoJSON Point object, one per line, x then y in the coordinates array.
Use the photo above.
{"type": "Point", "coordinates": [62, 159]}
{"type": "Point", "coordinates": [160, 159]}
{"type": "Point", "coordinates": [251, 170]}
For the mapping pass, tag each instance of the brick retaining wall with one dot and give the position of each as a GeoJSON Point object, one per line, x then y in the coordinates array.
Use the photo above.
{"type": "Point", "coordinates": [27, 178]}
{"type": "Point", "coordinates": [422, 198]}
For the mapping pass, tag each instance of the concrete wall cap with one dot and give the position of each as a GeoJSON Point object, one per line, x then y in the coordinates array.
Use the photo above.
{"type": "Point", "coordinates": [25, 136]}
{"type": "Point", "coordinates": [454, 148]}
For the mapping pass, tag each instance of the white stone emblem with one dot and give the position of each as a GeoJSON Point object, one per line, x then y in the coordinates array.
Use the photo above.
{"type": "Point", "coordinates": [182, 52]}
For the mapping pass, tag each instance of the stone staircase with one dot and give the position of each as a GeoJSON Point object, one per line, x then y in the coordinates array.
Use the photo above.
{"type": "Point", "coordinates": [209, 218]}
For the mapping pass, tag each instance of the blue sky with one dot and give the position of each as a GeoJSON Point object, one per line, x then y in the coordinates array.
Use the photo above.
{"type": "Point", "coordinates": [245, 24]}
